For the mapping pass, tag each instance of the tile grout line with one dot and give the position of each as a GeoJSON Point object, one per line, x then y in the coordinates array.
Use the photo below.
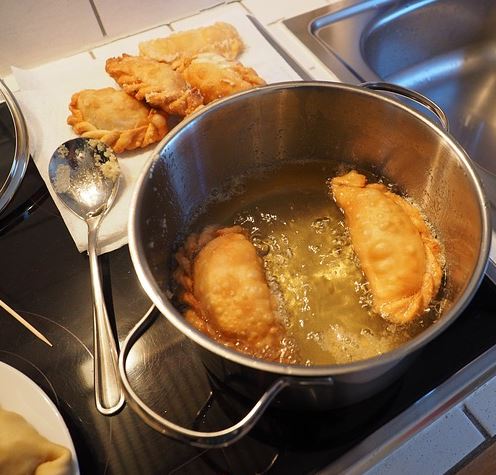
{"type": "Point", "coordinates": [470, 457]}
{"type": "Point", "coordinates": [488, 440]}
{"type": "Point", "coordinates": [471, 417]}
{"type": "Point", "coordinates": [97, 16]}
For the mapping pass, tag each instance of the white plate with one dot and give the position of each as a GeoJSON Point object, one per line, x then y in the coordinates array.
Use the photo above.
{"type": "Point", "coordinates": [20, 394]}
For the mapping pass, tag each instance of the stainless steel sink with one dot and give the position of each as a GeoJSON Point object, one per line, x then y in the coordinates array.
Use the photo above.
{"type": "Point", "coordinates": [444, 49]}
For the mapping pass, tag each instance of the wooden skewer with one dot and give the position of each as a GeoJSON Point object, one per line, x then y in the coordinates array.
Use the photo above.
{"type": "Point", "coordinates": [24, 322]}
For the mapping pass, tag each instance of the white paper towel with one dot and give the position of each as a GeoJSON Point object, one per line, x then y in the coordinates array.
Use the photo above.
{"type": "Point", "coordinates": [45, 94]}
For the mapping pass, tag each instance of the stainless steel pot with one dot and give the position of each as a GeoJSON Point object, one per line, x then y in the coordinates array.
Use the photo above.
{"type": "Point", "coordinates": [282, 123]}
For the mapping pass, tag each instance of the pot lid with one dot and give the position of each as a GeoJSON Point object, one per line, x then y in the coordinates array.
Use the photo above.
{"type": "Point", "coordinates": [13, 162]}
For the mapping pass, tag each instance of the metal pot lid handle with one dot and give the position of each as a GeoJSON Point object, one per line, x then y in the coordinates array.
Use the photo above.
{"type": "Point", "coordinates": [414, 96]}
{"type": "Point", "coordinates": [215, 439]}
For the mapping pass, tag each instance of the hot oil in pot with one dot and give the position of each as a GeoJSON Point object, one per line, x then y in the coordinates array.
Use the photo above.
{"type": "Point", "coordinates": [300, 233]}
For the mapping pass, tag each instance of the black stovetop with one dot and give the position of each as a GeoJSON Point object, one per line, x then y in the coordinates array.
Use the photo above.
{"type": "Point", "coordinates": [46, 280]}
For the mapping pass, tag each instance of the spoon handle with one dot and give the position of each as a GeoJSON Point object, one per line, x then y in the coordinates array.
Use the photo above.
{"type": "Point", "coordinates": [109, 397]}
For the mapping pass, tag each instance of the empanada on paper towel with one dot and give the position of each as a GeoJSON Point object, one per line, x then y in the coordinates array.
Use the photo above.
{"type": "Point", "coordinates": [23, 451]}
{"type": "Point", "coordinates": [116, 118]}
{"type": "Point", "coordinates": [156, 83]}
{"type": "Point", "coordinates": [398, 254]}
{"type": "Point", "coordinates": [220, 38]}
{"type": "Point", "coordinates": [216, 76]}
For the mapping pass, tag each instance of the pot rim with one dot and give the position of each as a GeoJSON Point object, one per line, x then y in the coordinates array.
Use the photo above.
{"type": "Point", "coordinates": [174, 317]}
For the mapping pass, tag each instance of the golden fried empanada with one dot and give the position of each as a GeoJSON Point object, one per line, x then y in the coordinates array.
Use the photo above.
{"type": "Point", "coordinates": [116, 118]}
{"type": "Point", "coordinates": [221, 38]}
{"type": "Point", "coordinates": [223, 282]}
{"type": "Point", "coordinates": [398, 254]}
{"type": "Point", "coordinates": [216, 76]}
{"type": "Point", "coordinates": [157, 83]}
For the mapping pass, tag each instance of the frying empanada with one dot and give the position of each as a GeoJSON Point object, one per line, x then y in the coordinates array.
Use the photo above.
{"type": "Point", "coordinates": [216, 76]}
{"type": "Point", "coordinates": [399, 256]}
{"type": "Point", "coordinates": [116, 118]}
{"type": "Point", "coordinates": [221, 38]}
{"type": "Point", "coordinates": [223, 283]}
{"type": "Point", "coordinates": [156, 83]}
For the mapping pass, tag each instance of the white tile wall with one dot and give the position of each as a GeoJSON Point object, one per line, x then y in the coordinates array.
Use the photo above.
{"type": "Point", "coordinates": [269, 11]}
{"type": "Point", "coordinates": [130, 16]}
{"type": "Point", "coordinates": [434, 450]}
{"type": "Point", "coordinates": [482, 404]}
{"type": "Point", "coordinates": [33, 32]}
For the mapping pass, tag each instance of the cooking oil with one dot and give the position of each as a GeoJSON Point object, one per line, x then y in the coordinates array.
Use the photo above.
{"type": "Point", "coordinates": [300, 233]}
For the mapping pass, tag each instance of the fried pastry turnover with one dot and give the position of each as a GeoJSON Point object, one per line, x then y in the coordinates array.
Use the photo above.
{"type": "Point", "coordinates": [116, 118]}
{"type": "Point", "coordinates": [215, 76]}
{"type": "Point", "coordinates": [155, 82]}
{"type": "Point", "coordinates": [223, 284]}
{"type": "Point", "coordinates": [399, 256]}
{"type": "Point", "coordinates": [220, 38]}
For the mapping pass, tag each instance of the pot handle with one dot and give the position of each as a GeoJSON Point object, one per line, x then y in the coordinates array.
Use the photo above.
{"type": "Point", "coordinates": [414, 96]}
{"type": "Point", "coordinates": [216, 439]}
